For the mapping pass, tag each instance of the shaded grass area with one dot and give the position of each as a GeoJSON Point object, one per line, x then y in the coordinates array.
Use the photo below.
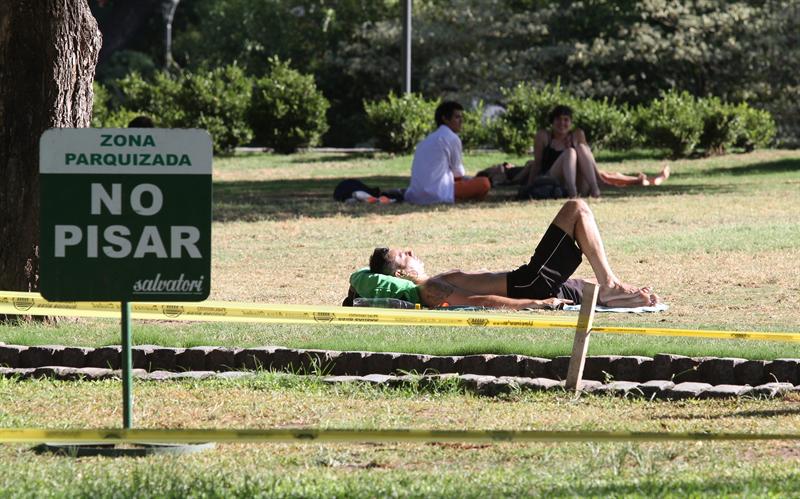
{"type": "Point", "coordinates": [417, 470]}
{"type": "Point", "coordinates": [265, 186]}
{"type": "Point", "coordinates": [274, 187]}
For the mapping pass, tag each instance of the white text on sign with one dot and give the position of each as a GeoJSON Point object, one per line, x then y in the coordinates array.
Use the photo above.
{"type": "Point", "coordinates": [145, 200]}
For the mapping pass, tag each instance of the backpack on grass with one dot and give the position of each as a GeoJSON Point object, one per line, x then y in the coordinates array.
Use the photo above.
{"type": "Point", "coordinates": [543, 187]}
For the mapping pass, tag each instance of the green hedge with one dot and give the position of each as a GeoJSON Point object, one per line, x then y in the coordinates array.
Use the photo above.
{"type": "Point", "coordinates": [475, 133]}
{"type": "Point", "coordinates": [758, 128]}
{"type": "Point", "coordinates": [674, 121]}
{"type": "Point", "coordinates": [287, 111]}
{"type": "Point", "coordinates": [214, 100]}
{"type": "Point", "coordinates": [399, 123]}
{"type": "Point", "coordinates": [606, 126]}
{"type": "Point", "coordinates": [284, 108]}
{"type": "Point", "coordinates": [722, 125]}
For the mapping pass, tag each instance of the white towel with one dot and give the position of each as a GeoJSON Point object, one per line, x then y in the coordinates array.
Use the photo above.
{"type": "Point", "coordinates": [661, 307]}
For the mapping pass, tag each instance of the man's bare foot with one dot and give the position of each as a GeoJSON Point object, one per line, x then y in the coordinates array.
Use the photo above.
{"type": "Point", "coordinates": [661, 177]}
{"type": "Point", "coordinates": [643, 180]}
{"type": "Point", "coordinates": [625, 295]}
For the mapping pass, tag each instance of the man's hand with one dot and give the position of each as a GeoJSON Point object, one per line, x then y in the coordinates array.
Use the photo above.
{"type": "Point", "coordinates": [553, 303]}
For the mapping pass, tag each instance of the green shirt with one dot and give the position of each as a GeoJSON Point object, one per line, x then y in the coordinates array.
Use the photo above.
{"type": "Point", "coordinates": [369, 285]}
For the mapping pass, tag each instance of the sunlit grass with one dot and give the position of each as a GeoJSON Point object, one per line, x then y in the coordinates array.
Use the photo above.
{"type": "Point", "coordinates": [360, 470]}
{"type": "Point", "coordinates": [718, 242]}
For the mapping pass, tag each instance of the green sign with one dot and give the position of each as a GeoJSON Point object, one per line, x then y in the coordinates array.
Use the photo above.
{"type": "Point", "coordinates": [125, 214]}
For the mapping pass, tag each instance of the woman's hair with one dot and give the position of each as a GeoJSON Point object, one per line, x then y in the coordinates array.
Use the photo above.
{"type": "Point", "coordinates": [560, 110]}
{"type": "Point", "coordinates": [445, 111]}
{"type": "Point", "coordinates": [378, 263]}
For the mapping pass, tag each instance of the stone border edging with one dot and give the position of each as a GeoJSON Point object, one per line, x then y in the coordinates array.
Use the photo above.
{"type": "Point", "coordinates": [490, 386]}
{"type": "Point", "coordinates": [676, 368]}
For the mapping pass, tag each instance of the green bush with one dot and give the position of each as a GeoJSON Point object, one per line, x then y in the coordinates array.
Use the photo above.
{"type": "Point", "coordinates": [606, 125]}
{"type": "Point", "coordinates": [215, 100]}
{"type": "Point", "coordinates": [672, 121]}
{"type": "Point", "coordinates": [757, 129]}
{"type": "Point", "coordinates": [527, 109]}
{"type": "Point", "coordinates": [104, 115]}
{"type": "Point", "coordinates": [399, 123]}
{"type": "Point", "coordinates": [722, 125]}
{"type": "Point", "coordinates": [475, 133]}
{"type": "Point", "coordinates": [287, 111]}
{"type": "Point", "coordinates": [100, 109]}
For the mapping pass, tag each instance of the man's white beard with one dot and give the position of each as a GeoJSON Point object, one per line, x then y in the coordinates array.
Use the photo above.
{"type": "Point", "coordinates": [415, 268]}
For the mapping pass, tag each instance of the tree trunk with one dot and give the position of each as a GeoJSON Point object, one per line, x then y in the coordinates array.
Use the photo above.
{"type": "Point", "coordinates": [48, 53]}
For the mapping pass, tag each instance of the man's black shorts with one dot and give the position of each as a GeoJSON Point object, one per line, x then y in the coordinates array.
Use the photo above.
{"type": "Point", "coordinates": [545, 276]}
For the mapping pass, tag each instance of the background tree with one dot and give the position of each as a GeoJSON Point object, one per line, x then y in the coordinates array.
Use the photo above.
{"type": "Point", "coordinates": [48, 52]}
{"type": "Point", "coordinates": [121, 20]}
{"type": "Point", "coordinates": [629, 51]}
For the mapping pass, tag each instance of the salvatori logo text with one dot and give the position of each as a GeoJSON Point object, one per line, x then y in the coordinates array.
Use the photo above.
{"type": "Point", "coordinates": [158, 284]}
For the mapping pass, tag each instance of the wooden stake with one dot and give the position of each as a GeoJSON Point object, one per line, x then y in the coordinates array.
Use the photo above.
{"type": "Point", "coordinates": [581, 343]}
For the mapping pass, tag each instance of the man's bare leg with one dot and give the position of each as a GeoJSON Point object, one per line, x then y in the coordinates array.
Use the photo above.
{"type": "Point", "coordinates": [576, 219]}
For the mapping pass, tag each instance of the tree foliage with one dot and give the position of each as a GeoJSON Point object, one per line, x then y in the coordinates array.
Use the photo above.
{"type": "Point", "coordinates": [627, 51]}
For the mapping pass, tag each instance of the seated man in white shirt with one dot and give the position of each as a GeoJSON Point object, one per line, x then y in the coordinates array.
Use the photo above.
{"type": "Point", "coordinates": [437, 174]}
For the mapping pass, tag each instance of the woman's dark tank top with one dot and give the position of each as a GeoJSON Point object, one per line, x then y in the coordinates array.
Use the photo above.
{"type": "Point", "coordinates": [549, 156]}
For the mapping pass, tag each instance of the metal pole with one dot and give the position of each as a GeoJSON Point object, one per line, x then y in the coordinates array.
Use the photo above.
{"type": "Point", "coordinates": [406, 46]}
{"type": "Point", "coordinates": [127, 372]}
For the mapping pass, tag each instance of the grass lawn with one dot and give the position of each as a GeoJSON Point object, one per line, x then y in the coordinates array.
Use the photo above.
{"type": "Point", "coordinates": [719, 242]}
{"type": "Point", "coordinates": [377, 470]}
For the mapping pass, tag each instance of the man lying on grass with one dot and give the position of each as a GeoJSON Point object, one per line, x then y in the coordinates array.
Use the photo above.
{"type": "Point", "coordinates": [542, 283]}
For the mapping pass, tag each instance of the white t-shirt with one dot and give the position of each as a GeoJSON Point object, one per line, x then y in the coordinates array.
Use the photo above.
{"type": "Point", "coordinates": [437, 161]}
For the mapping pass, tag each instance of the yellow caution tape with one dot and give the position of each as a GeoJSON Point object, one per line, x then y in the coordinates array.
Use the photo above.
{"type": "Point", "coordinates": [33, 304]}
{"type": "Point", "coordinates": [700, 333]}
{"type": "Point", "coordinates": [313, 435]}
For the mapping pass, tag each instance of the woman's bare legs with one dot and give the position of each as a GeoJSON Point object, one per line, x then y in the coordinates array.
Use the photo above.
{"type": "Point", "coordinates": [576, 219]}
{"type": "Point", "coordinates": [622, 180]}
{"type": "Point", "coordinates": [587, 172]}
{"type": "Point", "coordinates": [565, 171]}
{"type": "Point", "coordinates": [661, 177]}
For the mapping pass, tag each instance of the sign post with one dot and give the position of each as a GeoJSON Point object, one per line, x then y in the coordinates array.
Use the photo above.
{"type": "Point", "coordinates": [125, 216]}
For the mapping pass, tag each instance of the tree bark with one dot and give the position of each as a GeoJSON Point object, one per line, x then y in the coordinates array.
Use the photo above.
{"type": "Point", "coordinates": [48, 53]}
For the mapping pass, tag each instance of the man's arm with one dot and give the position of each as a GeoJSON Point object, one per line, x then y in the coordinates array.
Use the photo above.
{"type": "Point", "coordinates": [435, 292]}
{"type": "Point", "coordinates": [455, 160]}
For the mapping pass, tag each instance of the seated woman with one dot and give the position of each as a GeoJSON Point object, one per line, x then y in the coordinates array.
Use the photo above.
{"type": "Point", "coordinates": [563, 153]}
